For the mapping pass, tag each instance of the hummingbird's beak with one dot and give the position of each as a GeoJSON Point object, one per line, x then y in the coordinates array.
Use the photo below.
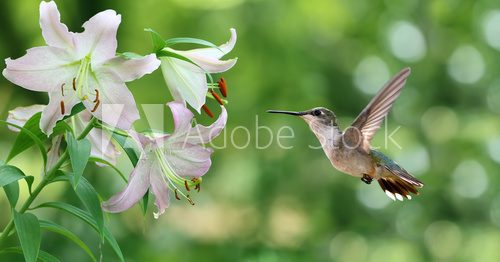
{"type": "Point", "coordinates": [287, 112]}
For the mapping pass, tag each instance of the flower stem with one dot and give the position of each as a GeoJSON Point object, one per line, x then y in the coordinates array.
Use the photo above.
{"type": "Point", "coordinates": [47, 178]}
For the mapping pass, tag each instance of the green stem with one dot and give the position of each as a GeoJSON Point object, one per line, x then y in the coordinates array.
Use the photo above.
{"type": "Point", "coordinates": [45, 181]}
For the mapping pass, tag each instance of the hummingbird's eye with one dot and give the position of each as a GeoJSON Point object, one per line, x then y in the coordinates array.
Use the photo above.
{"type": "Point", "coordinates": [317, 112]}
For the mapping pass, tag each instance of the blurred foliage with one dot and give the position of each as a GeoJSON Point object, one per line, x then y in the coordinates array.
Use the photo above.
{"type": "Point", "coordinates": [277, 204]}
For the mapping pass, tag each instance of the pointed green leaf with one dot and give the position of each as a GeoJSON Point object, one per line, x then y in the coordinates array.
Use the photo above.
{"type": "Point", "coordinates": [12, 193]}
{"type": "Point", "coordinates": [102, 161]}
{"type": "Point", "coordinates": [10, 174]}
{"type": "Point", "coordinates": [84, 216]}
{"type": "Point", "coordinates": [90, 199]}
{"type": "Point", "coordinates": [28, 231]}
{"type": "Point", "coordinates": [165, 52]}
{"type": "Point", "coordinates": [189, 40]}
{"type": "Point", "coordinates": [144, 203]}
{"type": "Point", "coordinates": [79, 154]}
{"type": "Point", "coordinates": [42, 255]}
{"type": "Point", "coordinates": [130, 151]}
{"type": "Point", "coordinates": [158, 42]}
{"type": "Point", "coordinates": [53, 227]}
{"type": "Point", "coordinates": [25, 139]}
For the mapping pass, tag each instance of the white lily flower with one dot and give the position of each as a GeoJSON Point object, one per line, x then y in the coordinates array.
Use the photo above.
{"type": "Point", "coordinates": [187, 81]}
{"type": "Point", "coordinates": [80, 67]}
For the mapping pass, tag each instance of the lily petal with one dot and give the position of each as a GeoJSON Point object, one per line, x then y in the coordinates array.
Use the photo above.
{"type": "Point", "coordinates": [102, 147]}
{"type": "Point", "coordinates": [117, 106]}
{"type": "Point", "coordinates": [187, 82]}
{"type": "Point", "coordinates": [41, 69]}
{"type": "Point", "coordinates": [182, 117]}
{"type": "Point", "coordinates": [137, 186]}
{"type": "Point", "coordinates": [53, 153]}
{"type": "Point", "coordinates": [58, 107]}
{"type": "Point", "coordinates": [208, 63]}
{"type": "Point", "coordinates": [216, 53]}
{"type": "Point", "coordinates": [188, 160]}
{"type": "Point", "coordinates": [208, 58]}
{"type": "Point", "coordinates": [99, 37]}
{"type": "Point", "coordinates": [130, 69]}
{"type": "Point", "coordinates": [200, 134]}
{"type": "Point", "coordinates": [159, 188]}
{"type": "Point", "coordinates": [20, 115]}
{"type": "Point", "coordinates": [54, 32]}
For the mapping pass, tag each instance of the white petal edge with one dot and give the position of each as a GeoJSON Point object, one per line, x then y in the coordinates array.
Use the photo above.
{"type": "Point", "coordinates": [54, 32]}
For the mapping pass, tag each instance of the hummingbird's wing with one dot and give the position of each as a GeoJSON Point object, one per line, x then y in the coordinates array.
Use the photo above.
{"type": "Point", "coordinates": [362, 130]}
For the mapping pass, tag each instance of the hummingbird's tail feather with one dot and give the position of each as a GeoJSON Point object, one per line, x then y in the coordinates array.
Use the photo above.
{"type": "Point", "coordinates": [398, 184]}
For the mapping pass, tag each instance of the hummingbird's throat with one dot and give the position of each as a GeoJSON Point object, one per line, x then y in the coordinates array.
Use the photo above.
{"type": "Point", "coordinates": [80, 86]}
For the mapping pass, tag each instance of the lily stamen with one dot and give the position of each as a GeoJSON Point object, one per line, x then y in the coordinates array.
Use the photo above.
{"type": "Point", "coordinates": [96, 96]}
{"type": "Point", "coordinates": [96, 105]}
{"type": "Point", "coordinates": [74, 83]}
{"type": "Point", "coordinates": [190, 200]}
{"type": "Point", "coordinates": [217, 97]}
{"type": "Point", "coordinates": [62, 107]}
{"type": "Point", "coordinates": [176, 195]}
{"type": "Point", "coordinates": [222, 87]}
{"type": "Point", "coordinates": [186, 185]}
{"type": "Point", "coordinates": [209, 113]}
{"type": "Point", "coordinates": [62, 88]}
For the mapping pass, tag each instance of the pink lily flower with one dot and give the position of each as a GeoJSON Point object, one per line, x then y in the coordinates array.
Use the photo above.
{"type": "Point", "coordinates": [169, 162]}
{"type": "Point", "coordinates": [80, 67]}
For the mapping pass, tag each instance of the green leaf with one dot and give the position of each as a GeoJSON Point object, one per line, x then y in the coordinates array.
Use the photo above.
{"type": "Point", "coordinates": [24, 140]}
{"type": "Point", "coordinates": [79, 154]}
{"type": "Point", "coordinates": [53, 227]}
{"type": "Point", "coordinates": [107, 163]}
{"type": "Point", "coordinates": [189, 40]}
{"type": "Point", "coordinates": [30, 134]}
{"type": "Point", "coordinates": [42, 255]}
{"type": "Point", "coordinates": [158, 43]}
{"type": "Point", "coordinates": [12, 192]}
{"type": "Point", "coordinates": [28, 231]}
{"type": "Point", "coordinates": [46, 257]}
{"type": "Point", "coordinates": [84, 216]}
{"type": "Point", "coordinates": [164, 52]}
{"type": "Point", "coordinates": [90, 199]}
{"type": "Point", "coordinates": [130, 151]}
{"type": "Point", "coordinates": [10, 174]}
{"type": "Point", "coordinates": [61, 128]}
{"type": "Point", "coordinates": [144, 203]}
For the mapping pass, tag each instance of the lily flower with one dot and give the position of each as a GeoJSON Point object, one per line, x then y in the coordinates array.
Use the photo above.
{"type": "Point", "coordinates": [187, 81]}
{"type": "Point", "coordinates": [80, 67]}
{"type": "Point", "coordinates": [100, 141]}
{"type": "Point", "coordinates": [169, 162]}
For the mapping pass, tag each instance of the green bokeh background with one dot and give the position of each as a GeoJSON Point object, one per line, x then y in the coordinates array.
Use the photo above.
{"type": "Point", "coordinates": [278, 204]}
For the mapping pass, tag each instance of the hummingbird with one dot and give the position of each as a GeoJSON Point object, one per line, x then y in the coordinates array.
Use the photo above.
{"type": "Point", "coordinates": [349, 151]}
